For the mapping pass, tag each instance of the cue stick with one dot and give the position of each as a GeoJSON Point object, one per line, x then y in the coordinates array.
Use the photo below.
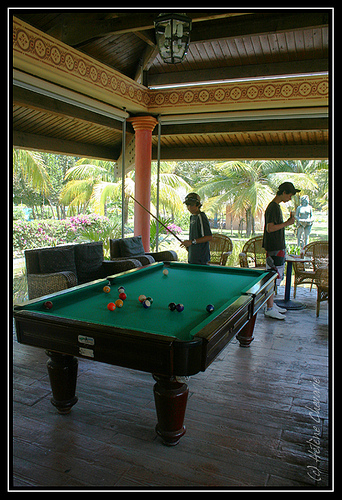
{"type": "Point", "coordinates": [160, 222]}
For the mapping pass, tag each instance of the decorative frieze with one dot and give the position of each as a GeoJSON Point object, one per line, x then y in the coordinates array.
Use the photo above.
{"type": "Point", "coordinates": [244, 95]}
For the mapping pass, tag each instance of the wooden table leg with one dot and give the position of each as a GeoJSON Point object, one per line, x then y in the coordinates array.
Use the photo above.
{"type": "Point", "coordinates": [245, 336]}
{"type": "Point", "coordinates": [170, 398]}
{"type": "Point", "coordinates": [62, 370]}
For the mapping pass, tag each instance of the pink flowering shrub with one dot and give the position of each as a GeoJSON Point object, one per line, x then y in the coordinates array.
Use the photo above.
{"type": "Point", "coordinates": [174, 228]}
{"type": "Point", "coordinates": [43, 233]}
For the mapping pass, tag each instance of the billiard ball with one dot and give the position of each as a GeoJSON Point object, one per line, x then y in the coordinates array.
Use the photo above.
{"type": "Point", "coordinates": [106, 289]}
{"type": "Point", "coordinates": [180, 307]}
{"type": "Point", "coordinates": [121, 289]}
{"type": "Point", "coordinates": [150, 299]}
{"type": "Point", "coordinates": [165, 272]}
{"type": "Point", "coordinates": [146, 304]}
{"type": "Point", "coordinates": [122, 296]}
{"type": "Point", "coordinates": [48, 304]}
{"type": "Point", "coordinates": [172, 306]}
{"type": "Point", "coordinates": [210, 308]}
{"type": "Point", "coordinates": [111, 306]}
{"type": "Point", "coordinates": [142, 298]}
{"type": "Point", "coordinates": [119, 303]}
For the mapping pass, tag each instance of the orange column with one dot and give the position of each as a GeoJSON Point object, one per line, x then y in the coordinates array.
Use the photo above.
{"type": "Point", "coordinates": [143, 126]}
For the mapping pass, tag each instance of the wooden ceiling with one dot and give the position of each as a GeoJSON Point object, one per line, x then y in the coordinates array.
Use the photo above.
{"type": "Point", "coordinates": [225, 45]}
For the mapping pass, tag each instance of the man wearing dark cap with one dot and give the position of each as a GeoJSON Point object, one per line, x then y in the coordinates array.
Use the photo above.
{"type": "Point", "coordinates": [274, 240]}
{"type": "Point", "coordinates": [200, 232]}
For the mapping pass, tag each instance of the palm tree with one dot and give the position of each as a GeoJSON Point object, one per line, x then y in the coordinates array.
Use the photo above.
{"type": "Point", "coordinates": [30, 168]}
{"type": "Point", "coordinates": [81, 181]}
{"type": "Point", "coordinates": [249, 186]}
{"type": "Point", "coordinates": [310, 176]}
{"type": "Point", "coordinates": [241, 184]}
{"type": "Point", "coordinates": [95, 184]}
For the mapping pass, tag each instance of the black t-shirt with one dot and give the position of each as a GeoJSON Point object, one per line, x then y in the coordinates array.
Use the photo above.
{"type": "Point", "coordinates": [199, 227]}
{"type": "Point", "coordinates": [276, 240]}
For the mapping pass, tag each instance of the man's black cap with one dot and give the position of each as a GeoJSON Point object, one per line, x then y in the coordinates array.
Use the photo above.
{"type": "Point", "coordinates": [288, 187]}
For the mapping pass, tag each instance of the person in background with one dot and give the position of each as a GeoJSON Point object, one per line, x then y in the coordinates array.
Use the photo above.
{"type": "Point", "coordinates": [199, 233]}
{"type": "Point", "coordinates": [274, 241]}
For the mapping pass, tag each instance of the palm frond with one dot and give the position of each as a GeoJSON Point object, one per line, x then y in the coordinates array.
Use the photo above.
{"type": "Point", "coordinates": [85, 171]}
{"type": "Point", "coordinates": [32, 168]}
{"type": "Point", "coordinates": [76, 192]}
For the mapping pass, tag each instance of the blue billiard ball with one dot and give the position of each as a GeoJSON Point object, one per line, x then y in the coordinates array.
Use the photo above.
{"type": "Point", "coordinates": [180, 307]}
{"type": "Point", "coordinates": [146, 304]}
{"type": "Point", "coordinates": [210, 308]}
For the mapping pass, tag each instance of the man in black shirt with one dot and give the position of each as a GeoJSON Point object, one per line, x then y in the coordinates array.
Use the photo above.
{"type": "Point", "coordinates": [200, 232]}
{"type": "Point", "coordinates": [274, 240]}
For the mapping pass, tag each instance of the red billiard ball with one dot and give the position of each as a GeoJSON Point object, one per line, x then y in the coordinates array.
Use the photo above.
{"type": "Point", "coordinates": [48, 304]}
{"type": "Point", "coordinates": [111, 306]}
{"type": "Point", "coordinates": [122, 296]}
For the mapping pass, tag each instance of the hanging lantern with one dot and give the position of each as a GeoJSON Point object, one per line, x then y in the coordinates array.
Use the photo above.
{"type": "Point", "coordinates": [173, 36]}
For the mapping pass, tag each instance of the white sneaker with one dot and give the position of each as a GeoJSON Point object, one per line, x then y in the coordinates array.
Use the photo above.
{"type": "Point", "coordinates": [273, 313]}
{"type": "Point", "coordinates": [279, 309]}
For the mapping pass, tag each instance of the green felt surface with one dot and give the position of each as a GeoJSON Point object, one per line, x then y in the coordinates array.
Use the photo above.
{"type": "Point", "coordinates": [193, 286]}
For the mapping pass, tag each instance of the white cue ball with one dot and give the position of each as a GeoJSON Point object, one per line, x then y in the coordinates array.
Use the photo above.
{"type": "Point", "coordinates": [165, 272]}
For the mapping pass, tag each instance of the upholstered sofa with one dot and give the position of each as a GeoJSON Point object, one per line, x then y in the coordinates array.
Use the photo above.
{"type": "Point", "coordinates": [51, 269]}
{"type": "Point", "coordinates": [132, 248]}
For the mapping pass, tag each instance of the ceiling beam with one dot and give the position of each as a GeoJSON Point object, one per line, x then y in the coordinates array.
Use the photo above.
{"type": "Point", "coordinates": [75, 29]}
{"type": "Point", "coordinates": [145, 62]}
{"type": "Point", "coordinates": [275, 125]}
{"type": "Point", "coordinates": [60, 146]}
{"type": "Point", "coordinates": [35, 100]}
{"type": "Point", "coordinates": [206, 26]}
{"type": "Point", "coordinates": [299, 152]}
{"type": "Point", "coordinates": [235, 72]}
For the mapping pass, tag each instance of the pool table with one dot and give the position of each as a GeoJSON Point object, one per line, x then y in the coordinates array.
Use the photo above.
{"type": "Point", "coordinates": [168, 344]}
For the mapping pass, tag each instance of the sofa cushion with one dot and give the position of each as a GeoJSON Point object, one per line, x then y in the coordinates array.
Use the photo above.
{"type": "Point", "coordinates": [54, 260]}
{"type": "Point", "coordinates": [88, 258]}
{"type": "Point", "coordinates": [131, 247]}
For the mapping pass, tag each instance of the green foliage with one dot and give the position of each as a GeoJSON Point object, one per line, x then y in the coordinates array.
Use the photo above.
{"type": "Point", "coordinates": [104, 233]}
{"type": "Point", "coordinates": [162, 233]}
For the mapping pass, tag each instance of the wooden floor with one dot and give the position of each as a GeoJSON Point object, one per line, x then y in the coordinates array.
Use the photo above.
{"type": "Point", "coordinates": [258, 417]}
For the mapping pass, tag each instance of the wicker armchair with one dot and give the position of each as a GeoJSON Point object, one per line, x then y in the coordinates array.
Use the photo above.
{"type": "Point", "coordinates": [322, 282]}
{"type": "Point", "coordinates": [253, 254]}
{"type": "Point", "coordinates": [305, 272]}
{"type": "Point", "coordinates": [52, 269]}
{"type": "Point", "coordinates": [221, 247]}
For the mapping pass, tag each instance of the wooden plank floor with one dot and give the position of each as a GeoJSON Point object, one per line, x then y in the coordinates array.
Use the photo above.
{"type": "Point", "coordinates": [258, 417]}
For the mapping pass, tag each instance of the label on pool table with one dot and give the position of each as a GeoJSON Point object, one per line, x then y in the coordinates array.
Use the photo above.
{"type": "Point", "coordinates": [86, 352]}
{"type": "Point", "coordinates": [86, 340]}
